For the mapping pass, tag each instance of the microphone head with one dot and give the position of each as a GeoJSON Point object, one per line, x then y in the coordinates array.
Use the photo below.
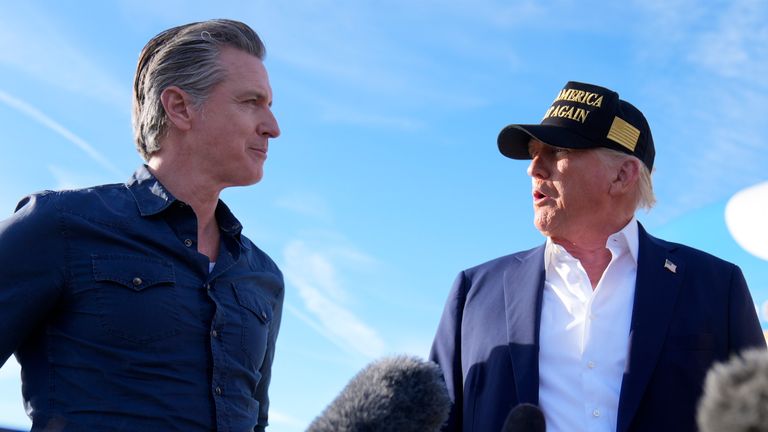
{"type": "Point", "coordinates": [524, 417]}
{"type": "Point", "coordinates": [397, 394]}
{"type": "Point", "coordinates": [736, 395]}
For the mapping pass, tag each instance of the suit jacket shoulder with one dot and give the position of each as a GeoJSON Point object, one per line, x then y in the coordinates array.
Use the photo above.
{"type": "Point", "coordinates": [498, 266]}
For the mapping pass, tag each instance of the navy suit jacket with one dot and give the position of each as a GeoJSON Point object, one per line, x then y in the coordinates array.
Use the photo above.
{"type": "Point", "coordinates": [487, 343]}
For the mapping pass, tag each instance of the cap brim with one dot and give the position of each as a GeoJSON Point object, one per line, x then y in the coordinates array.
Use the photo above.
{"type": "Point", "coordinates": [513, 139]}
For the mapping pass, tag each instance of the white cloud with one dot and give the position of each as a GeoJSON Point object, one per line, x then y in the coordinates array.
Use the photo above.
{"type": "Point", "coordinates": [313, 273]}
{"type": "Point", "coordinates": [305, 204]}
{"type": "Point", "coordinates": [66, 179]}
{"type": "Point", "coordinates": [706, 98]}
{"type": "Point", "coordinates": [37, 115]}
{"type": "Point", "coordinates": [277, 418]}
{"type": "Point", "coordinates": [745, 215]}
{"type": "Point", "coordinates": [488, 12]}
{"type": "Point", "coordinates": [45, 52]}
{"type": "Point", "coordinates": [316, 267]}
{"type": "Point", "coordinates": [736, 47]}
{"type": "Point", "coordinates": [339, 115]}
{"type": "Point", "coordinates": [729, 137]}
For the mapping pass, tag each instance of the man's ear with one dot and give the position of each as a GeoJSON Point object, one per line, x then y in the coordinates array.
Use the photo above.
{"type": "Point", "coordinates": [178, 107]}
{"type": "Point", "coordinates": [627, 175]}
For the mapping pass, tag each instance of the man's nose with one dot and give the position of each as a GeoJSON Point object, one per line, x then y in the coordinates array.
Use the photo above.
{"type": "Point", "coordinates": [536, 168]}
{"type": "Point", "coordinates": [270, 128]}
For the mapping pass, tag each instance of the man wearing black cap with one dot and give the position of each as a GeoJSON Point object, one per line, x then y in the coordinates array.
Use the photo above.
{"type": "Point", "coordinates": [604, 327]}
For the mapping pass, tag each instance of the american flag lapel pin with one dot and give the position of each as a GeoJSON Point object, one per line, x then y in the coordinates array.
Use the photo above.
{"type": "Point", "coordinates": [669, 265]}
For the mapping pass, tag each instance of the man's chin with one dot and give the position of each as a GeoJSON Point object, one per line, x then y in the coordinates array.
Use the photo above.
{"type": "Point", "coordinates": [253, 180]}
{"type": "Point", "coordinates": [247, 180]}
{"type": "Point", "coordinates": [544, 226]}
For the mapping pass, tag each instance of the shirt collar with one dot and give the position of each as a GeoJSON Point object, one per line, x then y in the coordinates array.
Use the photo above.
{"type": "Point", "coordinates": [227, 221]}
{"type": "Point", "coordinates": [152, 198]}
{"type": "Point", "coordinates": [150, 195]}
{"type": "Point", "coordinates": [624, 240]}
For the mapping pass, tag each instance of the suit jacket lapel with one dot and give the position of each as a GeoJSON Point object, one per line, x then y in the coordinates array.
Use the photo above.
{"type": "Point", "coordinates": [523, 285]}
{"type": "Point", "coordinates": [659, 276]}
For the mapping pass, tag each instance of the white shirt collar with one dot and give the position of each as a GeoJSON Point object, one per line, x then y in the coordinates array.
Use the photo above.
{"type": "Point", "coordinates": [624, 240]}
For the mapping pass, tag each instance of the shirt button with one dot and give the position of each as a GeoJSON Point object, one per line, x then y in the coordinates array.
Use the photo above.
{"type": "Point", "coordinates": [214, 333]}
{"type": "Point", "coordinates": [136, 281]}
{"type": "Point", "coordinates": [188, 243]}
{"type": "Point", "coordinates": [264, 316]}
{"type": "Point", "coordinates": [591, 365]}
{"type": "Point", "coordinates": [218, 390]}
{"type": "Point", "coordinates": [596, 413]}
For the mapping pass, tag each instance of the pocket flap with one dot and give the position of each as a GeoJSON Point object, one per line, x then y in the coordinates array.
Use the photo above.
{"type": "Point", "coordinates": [134, 272]}
{"type": "Point", "coordinates": [252, 301]}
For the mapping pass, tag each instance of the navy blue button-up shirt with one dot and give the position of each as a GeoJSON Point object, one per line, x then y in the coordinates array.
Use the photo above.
{"type": "Point", "coordinates": [118, 323]}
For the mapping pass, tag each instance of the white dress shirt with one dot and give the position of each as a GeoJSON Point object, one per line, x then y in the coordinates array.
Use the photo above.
{"type": "Point", "coordinates": [584, 336]}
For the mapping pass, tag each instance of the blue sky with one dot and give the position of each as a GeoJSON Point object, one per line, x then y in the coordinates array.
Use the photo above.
{"type": "Point", "coordinates": [386, 181]}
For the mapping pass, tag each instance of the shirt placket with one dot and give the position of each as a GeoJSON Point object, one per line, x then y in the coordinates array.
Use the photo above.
{"type": "Point", "coordinates": [593, 362]}
{"type": "Point", "coordinates": [220, 322]}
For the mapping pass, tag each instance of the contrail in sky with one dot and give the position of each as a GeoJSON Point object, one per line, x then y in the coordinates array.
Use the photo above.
{"type": "Point", "coordinates": [37, 115]}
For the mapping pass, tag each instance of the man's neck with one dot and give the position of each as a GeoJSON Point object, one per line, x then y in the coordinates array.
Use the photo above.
{"type": "Point", "coordinates": [593, 258]}
{"type": "Point", "coordinates": [200, 195]}
{"type": "Point", "coordinates": [591, 251]}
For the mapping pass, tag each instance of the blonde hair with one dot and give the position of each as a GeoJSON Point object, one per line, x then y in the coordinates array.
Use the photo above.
{"type": "Point", "coordinates": [644, 196]}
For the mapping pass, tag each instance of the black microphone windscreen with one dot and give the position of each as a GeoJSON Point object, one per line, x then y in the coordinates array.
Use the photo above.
{"type": "Point", "coordinates": [736, 395]}
{"type": "Point", "coordinates": [395, 394]}
{"type": "Point", "coordinates": [524, 418]}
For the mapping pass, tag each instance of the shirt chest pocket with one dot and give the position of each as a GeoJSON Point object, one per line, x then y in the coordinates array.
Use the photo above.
{"type": "Point", "coordinates": [256, 315]}
{"type": "Point", "coordinates": [137, 297]}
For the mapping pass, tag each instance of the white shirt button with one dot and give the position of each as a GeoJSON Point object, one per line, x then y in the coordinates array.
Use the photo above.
{"type": "Point", "coordinates": [188, 243]}
{"type": "Point", "coordinates": [591, 365]}
{"type": "Point", "coordinates": [596, 413]}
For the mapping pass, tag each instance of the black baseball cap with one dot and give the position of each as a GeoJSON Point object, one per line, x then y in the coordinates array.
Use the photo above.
{"type": "Point", "coordinates": [584, 116]}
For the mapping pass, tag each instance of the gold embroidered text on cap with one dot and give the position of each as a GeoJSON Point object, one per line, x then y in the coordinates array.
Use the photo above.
{"type": "Point", "coordinates": [584, 116]}
{"type": "Point", "coordinates": [624, 133]}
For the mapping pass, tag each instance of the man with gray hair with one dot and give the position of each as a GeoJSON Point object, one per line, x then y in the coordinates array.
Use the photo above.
{"type": "Point", "coordinates": [142, 306]}
{"type": "Point", "coordinates": [604, 327]}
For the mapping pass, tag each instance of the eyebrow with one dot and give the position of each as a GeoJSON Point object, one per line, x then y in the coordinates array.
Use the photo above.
{"type": "Point", "coordinates": [255, 94]}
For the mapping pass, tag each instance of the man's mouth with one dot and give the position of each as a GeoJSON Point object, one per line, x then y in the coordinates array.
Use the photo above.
{"type": "Point", "coordinates": [539, 196]}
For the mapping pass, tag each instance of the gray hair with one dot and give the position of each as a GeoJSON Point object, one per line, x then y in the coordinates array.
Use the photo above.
{"type": "Point", "coordinates": [187, 57]}
{"type": "Point", "coordinates": [644, 196]}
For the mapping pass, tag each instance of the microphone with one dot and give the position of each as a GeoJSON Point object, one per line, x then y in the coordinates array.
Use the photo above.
{"type": "Point", "coordinates": [736, 395]}
{"type": "Point", "coordinates": [394, 394]}
{"type": "Point", "coordinates": [524, 417]}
